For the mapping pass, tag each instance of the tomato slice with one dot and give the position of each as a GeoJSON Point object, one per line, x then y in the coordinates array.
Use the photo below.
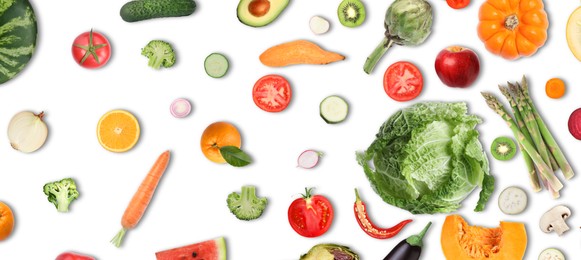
{"type": "Point", "coordinates": [272, 93]}
{"type": "Point", "coordinates": [458, 4]}
{"type": "Point", "coordinates": [403, 81]}
{"type": "Point", "coordinates": [310, 216]}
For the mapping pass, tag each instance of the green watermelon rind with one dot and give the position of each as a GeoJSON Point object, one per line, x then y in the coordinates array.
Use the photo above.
{"type": "Point", "coordinates": [221, 245]}
{"type": "Point", "coordinates": [217, 248]}
{"type": "Point", "coordinates": [18, 36]}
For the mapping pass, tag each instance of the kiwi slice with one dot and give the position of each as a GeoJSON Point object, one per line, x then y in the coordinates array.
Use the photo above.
{"type": "Point", "coordinates": [351, 13]}
{"type": "Point", "coordinates": [503, 148]}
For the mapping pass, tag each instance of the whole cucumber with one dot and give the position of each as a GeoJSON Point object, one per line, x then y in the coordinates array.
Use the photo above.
{"type": "Point", "coordinates": [140, 10]}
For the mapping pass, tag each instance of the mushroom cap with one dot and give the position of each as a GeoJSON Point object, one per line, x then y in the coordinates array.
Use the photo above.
{"type": "Point", "coordinates": [557, 213]}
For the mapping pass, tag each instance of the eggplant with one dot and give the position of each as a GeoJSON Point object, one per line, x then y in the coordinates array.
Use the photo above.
{"type": "Point", "coordinates": [410, 248]}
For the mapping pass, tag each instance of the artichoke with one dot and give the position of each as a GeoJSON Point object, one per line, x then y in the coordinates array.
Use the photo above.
{"type": "Point", "coordinates": [330, 252]}
{"type": "Point", "coordinates": [407, 22]}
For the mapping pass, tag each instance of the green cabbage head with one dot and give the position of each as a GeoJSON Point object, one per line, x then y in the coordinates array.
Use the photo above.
{"type": "Point", "coordinates": [427, 159]}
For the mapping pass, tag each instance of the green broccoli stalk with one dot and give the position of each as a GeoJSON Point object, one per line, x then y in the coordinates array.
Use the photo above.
{"type": "Point", "coordinates": [61, 193]}
{"type": "Point", "coordinates": [245, 205]}
{"type": "Point", "coordinates": [159, 53]}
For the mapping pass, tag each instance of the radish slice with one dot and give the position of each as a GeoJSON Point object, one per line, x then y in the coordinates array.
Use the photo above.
{"type": "Point", "coordinates": [309, 159]}
{"type": "Point", "coordinates": [319, 25]}
{"type": "Point", "coordinates": [512, 200]}
{"type": "Point", "coordinates": [180, 108]}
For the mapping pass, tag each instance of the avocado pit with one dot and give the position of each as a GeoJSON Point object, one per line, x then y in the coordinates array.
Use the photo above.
{"type": "Point", "coordinates": [259, 8]}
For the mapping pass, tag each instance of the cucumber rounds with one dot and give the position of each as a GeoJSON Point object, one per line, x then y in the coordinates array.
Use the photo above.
{"type": "Point", "coordinates": [140, 10]}
{"type": "Point", "coordinates": [333, 109]}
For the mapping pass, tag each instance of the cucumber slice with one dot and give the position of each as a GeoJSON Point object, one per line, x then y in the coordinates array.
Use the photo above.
{"type": "Point", "coordinates": [333, 109]}
{"type": "Point", "coordinates": [551, 254]}
{"type": "Point", "coordinates": [512, 200]}
{"type": "Point", "coordinates": [216, 65]}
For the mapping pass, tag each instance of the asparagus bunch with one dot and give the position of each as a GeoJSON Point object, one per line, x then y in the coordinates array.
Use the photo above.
{"type": "Point", "coordinates": [541, 153]}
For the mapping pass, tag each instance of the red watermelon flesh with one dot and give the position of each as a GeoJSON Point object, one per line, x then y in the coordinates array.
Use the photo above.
{"type": "Point", "coordinates": [208, 250]}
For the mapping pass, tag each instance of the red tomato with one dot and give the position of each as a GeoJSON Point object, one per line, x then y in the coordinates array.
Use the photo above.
{"type": "Point", "coordinates": [458, 4]}
{"type": "Point", "coordinates": [91, 50]}
{"type": "Point", "coordinates": [272, 93]}
{"type": "Point", "coordinates": [403, 81]}
{"type": "Point", "coordinates": [73, 256]}
{"type": "Point", "coordinates": [310, 216]}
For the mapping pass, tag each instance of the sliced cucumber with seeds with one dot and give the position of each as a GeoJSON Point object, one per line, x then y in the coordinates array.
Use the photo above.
{"type": "Point", "coordinates": [333, 109]}
{"type": "Point", "coordinates": [551, 254]}
{"type": "Point", "coordinates": [216, 65]}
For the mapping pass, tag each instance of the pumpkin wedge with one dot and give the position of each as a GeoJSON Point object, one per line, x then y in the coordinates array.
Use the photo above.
{"type": "Point", "coordinates": [461, 241]}
{"type": "Point", "coordinates": [513, 29]}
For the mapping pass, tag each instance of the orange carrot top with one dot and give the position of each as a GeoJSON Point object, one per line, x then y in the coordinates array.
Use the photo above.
{"type": "Point", "coordinates": [142, 197]}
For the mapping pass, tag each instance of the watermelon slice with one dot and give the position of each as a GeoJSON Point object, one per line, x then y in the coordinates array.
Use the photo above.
{"type": "Point", "coordinates": [208, 250]}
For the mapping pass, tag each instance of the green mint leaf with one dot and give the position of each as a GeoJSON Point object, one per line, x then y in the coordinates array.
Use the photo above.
{"type": "Point", "coordinates": [234, 156]}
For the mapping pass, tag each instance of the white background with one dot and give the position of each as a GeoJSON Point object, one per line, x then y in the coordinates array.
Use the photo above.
{"type": "Point", "coordinates": [190, 203]}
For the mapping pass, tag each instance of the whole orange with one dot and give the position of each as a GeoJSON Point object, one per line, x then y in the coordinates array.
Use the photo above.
{"type": "Point", "coordinates": [6, 221]}
{"type": "Point", "coordinates": [218, 135]}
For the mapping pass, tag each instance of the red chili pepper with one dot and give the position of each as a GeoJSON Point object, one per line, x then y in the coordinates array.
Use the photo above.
{"type": "Point", "coordinates": [73, 256]}
{"type": "Point", "coordinates": [368, 226]}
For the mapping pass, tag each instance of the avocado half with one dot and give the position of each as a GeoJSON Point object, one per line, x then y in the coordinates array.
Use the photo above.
{"type": "Point", "coordinates": [258, 13]}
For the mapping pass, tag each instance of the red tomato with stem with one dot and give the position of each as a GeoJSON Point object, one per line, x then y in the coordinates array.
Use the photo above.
{"type": "Point", "coordinates": [91, 50]}
{"type": "Point", "coordinates": [272, 93]}
{"type": "Point", "coordinates": [73, 256]}
{"type": "Point", "coordinates": [403, 81]}
{"type": "Point", "coordinates": [458, 4]}
{"type": "Point", "coordinates": [311, 215]}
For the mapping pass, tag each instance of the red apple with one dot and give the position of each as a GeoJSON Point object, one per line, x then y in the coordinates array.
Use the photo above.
{"type": "Point", "coordinates": [457, 66]}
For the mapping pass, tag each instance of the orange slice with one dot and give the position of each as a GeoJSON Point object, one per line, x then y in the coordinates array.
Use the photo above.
{"type": "Point", "coordinates": [118, 131]}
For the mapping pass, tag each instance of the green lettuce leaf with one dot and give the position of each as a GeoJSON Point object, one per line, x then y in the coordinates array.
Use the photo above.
{"type": "Point", "coordinates": [427, 159]}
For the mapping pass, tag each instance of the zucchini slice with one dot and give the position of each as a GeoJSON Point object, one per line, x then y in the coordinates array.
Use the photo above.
{"type": "Point", "coordinates": [551, 254]}
{"type": "Point", "coordinates": [216, 65]}
{"type": "Point", "coordinates": [512, 200]}
{"type": "Point", "coordinates": [333, 109]}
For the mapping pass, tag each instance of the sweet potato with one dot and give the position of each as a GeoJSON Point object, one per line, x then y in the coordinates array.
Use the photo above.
{"type": "Point", "coordinates": [298, 52]}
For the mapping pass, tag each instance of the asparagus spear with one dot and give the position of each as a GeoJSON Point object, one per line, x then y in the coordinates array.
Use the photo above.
{"type": "Point", "coordinates": [526, 105]}
{"type": "Point", "coordinates": [530, 122]}
{"type": "Point", "coordinates": [521, 125]}
{"type": "Point", "coordinates": [551, 143]}
{"type": "Point", "coordinates": [543, 168]}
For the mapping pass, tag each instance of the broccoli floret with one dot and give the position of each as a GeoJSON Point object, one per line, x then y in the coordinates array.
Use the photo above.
{"type": "Point", "coordinates": [160, 53]}
{"type": "Point", "coordinates": [245, 205]}
{"type": "Point", "coordinates": [61, 193]}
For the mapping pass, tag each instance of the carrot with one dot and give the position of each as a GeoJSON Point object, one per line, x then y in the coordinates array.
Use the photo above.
{"type": "Point", "coordinates": [555, 88]}
{"type": "Point", "coordinates": [142, 197]}
{"type": "Point", "coordinates": [298, 52]}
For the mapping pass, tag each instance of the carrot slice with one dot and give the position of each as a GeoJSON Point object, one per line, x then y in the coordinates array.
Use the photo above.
{"type": "Point", "coordinates": [555, 88]}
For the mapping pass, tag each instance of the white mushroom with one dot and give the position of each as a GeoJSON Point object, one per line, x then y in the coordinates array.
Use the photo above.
{"type": "Point", "coordinates": [554, 219]}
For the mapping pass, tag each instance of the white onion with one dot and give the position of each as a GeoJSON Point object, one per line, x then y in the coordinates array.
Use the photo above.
{"type": "Point", "coordinates": [27, 132]}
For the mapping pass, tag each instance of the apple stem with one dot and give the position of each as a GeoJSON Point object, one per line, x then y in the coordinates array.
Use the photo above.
{"type": "Point", "coordinates": [376, 55]}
